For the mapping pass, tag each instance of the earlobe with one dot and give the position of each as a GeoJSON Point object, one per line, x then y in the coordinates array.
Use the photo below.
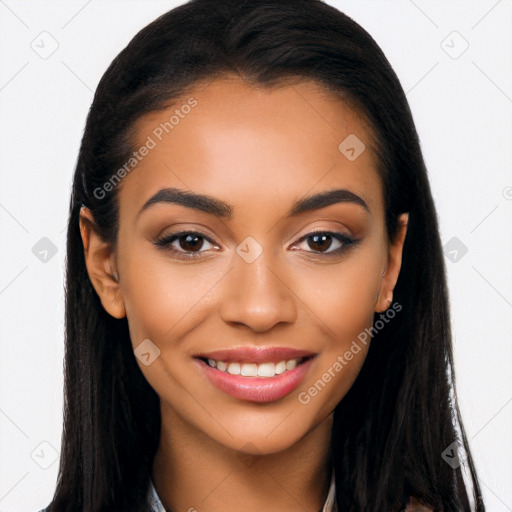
{"type": "Point", "coordinates": [100, 262]}
{"type": "Point", "coordinates": [394, 263]}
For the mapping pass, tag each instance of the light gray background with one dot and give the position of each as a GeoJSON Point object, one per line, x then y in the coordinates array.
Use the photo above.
{"type": "Point", "coordinates": [462, 106]}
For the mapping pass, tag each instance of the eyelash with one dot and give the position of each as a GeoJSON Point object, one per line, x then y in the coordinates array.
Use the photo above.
{"type": "Point", "coordinates": [166, 241]}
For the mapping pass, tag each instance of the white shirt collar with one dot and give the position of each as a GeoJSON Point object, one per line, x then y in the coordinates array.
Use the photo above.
{"type": "Point", "coordinates": [329, 505]}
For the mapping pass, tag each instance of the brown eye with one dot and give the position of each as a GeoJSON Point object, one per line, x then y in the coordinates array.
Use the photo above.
{"type": "Point", "coordinates": [328, 243]}
{"type": "Point", "coordinates": [320, 242]}
{"type": "Point", "coordinates": [185, 244]}
{"type": "Point", "coordinates": [190, 242]}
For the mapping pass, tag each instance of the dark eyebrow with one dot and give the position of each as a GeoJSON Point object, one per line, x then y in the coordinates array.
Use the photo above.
{"type": "Point", "coordinates": [219, 208]}
{"type": "Point", "coordinates": [201, 202]}
{"type": "Point", "coordinates": [323, 199]}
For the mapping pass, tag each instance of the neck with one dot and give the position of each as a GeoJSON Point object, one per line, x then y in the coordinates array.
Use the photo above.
{"type": "Point", "coordinates": [193, 472]}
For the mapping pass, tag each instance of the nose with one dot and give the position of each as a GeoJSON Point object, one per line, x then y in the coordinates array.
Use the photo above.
{"type": "Point", "coordinates": [256, 295]}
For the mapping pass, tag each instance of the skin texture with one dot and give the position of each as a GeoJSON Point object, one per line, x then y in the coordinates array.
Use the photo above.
{"type": "Point", "coordinates": [259, 150]}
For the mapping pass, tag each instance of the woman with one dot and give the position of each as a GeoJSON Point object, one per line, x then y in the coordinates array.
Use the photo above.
{"type": "Point", "coordinates": [256, 305]}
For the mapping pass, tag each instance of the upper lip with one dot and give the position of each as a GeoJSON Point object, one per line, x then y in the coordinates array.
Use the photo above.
{"type": "Point", "coordinates": [256, 354]}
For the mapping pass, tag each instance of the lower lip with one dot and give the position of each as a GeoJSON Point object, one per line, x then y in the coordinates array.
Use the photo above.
{"type": "Point", "coordinates": [257, 389]}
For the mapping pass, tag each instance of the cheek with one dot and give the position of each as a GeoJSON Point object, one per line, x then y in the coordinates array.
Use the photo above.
{"type": "Point", "coordinates": [162, 298]}
{"type": "Point", "coordinates": [344, 295]}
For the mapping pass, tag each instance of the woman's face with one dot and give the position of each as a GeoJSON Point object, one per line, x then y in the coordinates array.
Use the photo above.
{"type": "Point", "coordinates": [262, 278]}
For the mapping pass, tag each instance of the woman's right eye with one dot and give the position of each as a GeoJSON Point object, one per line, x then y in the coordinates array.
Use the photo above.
{"type": "Point", "coordinates": [185, 244]}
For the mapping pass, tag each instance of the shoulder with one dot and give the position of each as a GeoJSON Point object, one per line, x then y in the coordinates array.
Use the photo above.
{"type": "Point", "coordinates": [415, 506]}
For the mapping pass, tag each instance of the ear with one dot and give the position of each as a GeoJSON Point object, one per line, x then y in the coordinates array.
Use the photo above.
{"type": "Point", "coordinates": [392, 269]}
{"type": "Point", "coordinates": [101, 266]}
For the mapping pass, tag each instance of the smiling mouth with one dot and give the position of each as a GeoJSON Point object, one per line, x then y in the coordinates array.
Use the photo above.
{"type": "Point", "coordinates": [260, 381]}
{"type": "Point", "coordinates": [248, 369]}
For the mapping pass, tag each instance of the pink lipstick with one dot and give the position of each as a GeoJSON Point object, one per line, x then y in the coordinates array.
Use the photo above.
{"type": "Point", "coordinates": [256, 374]}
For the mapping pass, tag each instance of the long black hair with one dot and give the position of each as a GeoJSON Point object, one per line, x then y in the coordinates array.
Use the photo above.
{"type": "Point", "coordinates": [391, 429]}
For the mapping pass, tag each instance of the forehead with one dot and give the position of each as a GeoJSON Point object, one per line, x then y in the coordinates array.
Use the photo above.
{"type": "Point", "coordinates": [249, 145]}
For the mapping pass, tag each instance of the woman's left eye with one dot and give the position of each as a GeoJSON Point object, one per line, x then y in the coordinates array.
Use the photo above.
{"type": "Point", "coordinates": [327, 242]}
{"type": "Point", "coordinates": [190, 244]}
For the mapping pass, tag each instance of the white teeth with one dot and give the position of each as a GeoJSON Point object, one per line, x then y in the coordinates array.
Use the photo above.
{"type": "Point", "coordinates": [266, 370]}
{"type": "Point", "coordinates": [281, 367]}
{"type": "Point", "coordinates": [290, 365]}
{"type": "Point", "coordinates": [234, 368]}
{"type": "Point", "coordinates": [249, 370]}
{"type": "Point", "coordinates": [253, 369]}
